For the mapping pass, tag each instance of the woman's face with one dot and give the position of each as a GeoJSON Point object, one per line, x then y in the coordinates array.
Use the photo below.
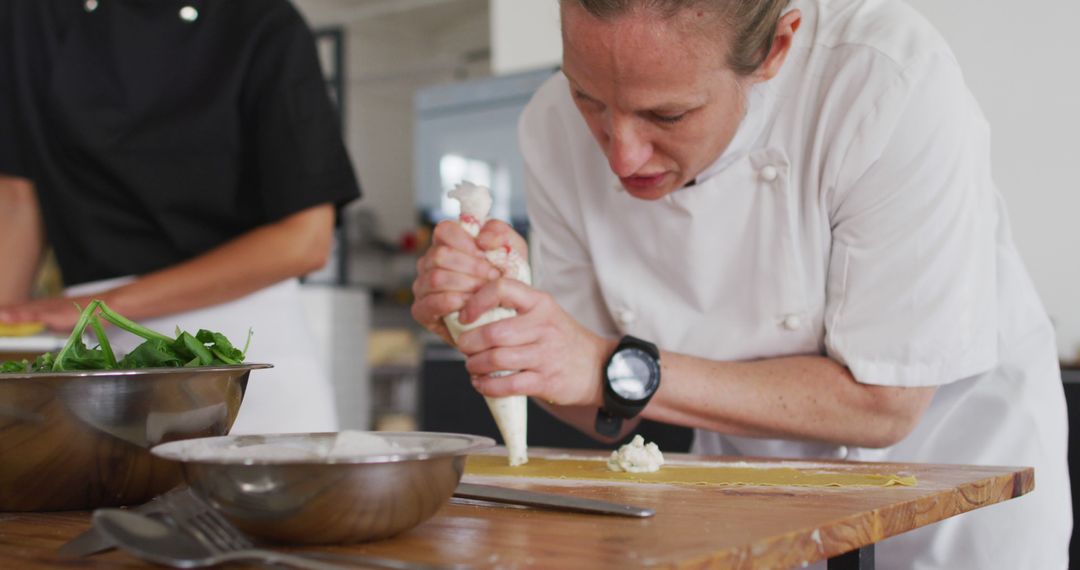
{"type": "Point", "coordinates": [656, 94]}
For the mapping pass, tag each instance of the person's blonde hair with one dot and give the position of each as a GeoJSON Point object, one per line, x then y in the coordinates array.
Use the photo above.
{"type": "Point", "coordinates": [751, 23]}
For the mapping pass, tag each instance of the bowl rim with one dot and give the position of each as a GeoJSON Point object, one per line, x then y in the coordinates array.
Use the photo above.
{"type": "Point", "coordinates": [173, 450]}
{"type": "Point", "coordinates": [167, 370]}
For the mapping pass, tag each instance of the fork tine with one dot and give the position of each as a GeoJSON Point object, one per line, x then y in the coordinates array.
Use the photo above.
{"type": "Point", "coordinates": [223, 530]}
{"type": "Point", "coordinates": [217, 523]}
{"type": "Point", "coordinates": [193, 515]}
{"type": "Point", "coordinates": [183, 510]}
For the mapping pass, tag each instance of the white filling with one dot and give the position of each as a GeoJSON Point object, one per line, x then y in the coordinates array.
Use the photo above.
{"type": "Point", "coordinates": [636, 457]}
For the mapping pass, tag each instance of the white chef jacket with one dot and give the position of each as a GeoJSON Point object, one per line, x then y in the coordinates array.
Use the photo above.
{"type": "Point", "coordinates": [296, 395]}
{"type": "Point", "coordinates": [853, 215]}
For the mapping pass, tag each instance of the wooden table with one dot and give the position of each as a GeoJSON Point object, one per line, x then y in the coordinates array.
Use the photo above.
{"type": "Point", "coordinates": [694, 526]}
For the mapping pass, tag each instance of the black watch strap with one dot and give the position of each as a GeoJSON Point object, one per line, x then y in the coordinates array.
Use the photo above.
{"type": "Point", "coordinates": [606, 424]}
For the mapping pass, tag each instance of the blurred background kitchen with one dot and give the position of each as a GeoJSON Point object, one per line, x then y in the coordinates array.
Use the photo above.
{"type": "Point", "coordinates": [429, 92]}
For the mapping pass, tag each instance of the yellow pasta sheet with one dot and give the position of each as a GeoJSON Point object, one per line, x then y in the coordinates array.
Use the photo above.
{"type": "Point", "coordinates": [597, 470]}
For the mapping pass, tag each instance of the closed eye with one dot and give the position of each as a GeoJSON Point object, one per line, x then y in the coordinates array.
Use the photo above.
{"type": "Point", "coordinates": [666, 119]}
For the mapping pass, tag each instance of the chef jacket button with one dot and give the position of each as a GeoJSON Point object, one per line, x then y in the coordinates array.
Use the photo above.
{"type": "Point", "coordinates": [626, 316]}
{"type": "Point", "coordinates": [769, 173]}
{"type": "Point", "coordinates": [90, 5]}
{"type": "Point", "coordinates": [792, 322]}
{"type": "Point", "coordinates": [189, 14]}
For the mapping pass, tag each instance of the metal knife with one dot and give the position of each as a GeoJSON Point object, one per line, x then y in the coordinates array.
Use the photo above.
{"type": "Point", "coordinates": [548, 500]}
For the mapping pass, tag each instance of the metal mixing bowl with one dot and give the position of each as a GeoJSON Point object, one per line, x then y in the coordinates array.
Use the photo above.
{"type": "Point", "coordinates": [81, 440]}
{"type": "Point", "coordinates": [326, 501]}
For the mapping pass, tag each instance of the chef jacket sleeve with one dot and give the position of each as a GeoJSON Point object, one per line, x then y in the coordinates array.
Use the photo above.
{"type": "Point", "coordinates": [298, 155]}
{"type": "Point", "coordinates": [561, 264]}
{"type": "Point", "coordinates": [911, 290]}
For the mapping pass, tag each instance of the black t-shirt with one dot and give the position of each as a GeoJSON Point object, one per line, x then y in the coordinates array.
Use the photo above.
{"type": "Point", "coordinates": [152, 138]}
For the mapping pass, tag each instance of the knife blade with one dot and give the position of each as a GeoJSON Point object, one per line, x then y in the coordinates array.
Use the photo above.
{"type": "Point", "coordinates": [548, 500]}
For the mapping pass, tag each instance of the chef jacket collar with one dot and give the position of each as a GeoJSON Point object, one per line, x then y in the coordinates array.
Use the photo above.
{"type": "Point", "coordinates": [746, 136]}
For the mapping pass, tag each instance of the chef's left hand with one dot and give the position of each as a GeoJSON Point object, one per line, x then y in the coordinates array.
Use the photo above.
{"type": "Point", "coordinates": [556, 359]}
{"type": "Point", "coordinates": [59, 314]}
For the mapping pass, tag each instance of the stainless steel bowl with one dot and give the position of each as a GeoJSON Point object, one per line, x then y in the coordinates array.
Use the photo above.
{"type": "Point", "coordinates": [326, 501]}
{"type": "Point", "coordinates": [81, 440]}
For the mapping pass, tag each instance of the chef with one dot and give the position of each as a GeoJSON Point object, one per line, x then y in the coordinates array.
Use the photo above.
{"type": "Point", "coordinates": [775, 224]}
{"type": "Point", "coordinates": [187, 164]}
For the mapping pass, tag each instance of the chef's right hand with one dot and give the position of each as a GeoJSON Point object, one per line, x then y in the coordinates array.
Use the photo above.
{"type": "Point", "coordinates": [451, 270]}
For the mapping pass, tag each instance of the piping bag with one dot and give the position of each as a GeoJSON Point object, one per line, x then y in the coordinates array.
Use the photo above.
{"type": "Point", "coordinates": [511, 412]}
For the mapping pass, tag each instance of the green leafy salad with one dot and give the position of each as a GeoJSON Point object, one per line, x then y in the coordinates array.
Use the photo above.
{"type": "Point", "coordinates": [206, 348]}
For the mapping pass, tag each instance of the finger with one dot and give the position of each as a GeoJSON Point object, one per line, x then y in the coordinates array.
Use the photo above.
{"type": "Point", "coordinates": [520, 384]}
{"type": "Point", "coordinates": [14, 315]}
{"type": "Point", "coordinates": [442, 281]}
{"type": "Point", "coordinates": [497, 234]}
{"type": "Point", "coordinates": [451, 234]}
{"type": "Point", "coordinates": [515, 358]}
{"type": "Point", "coordinates": [513, 331]}
{"type": "Point", "coordinates": [429, 310]}
{"type": "Point", "coordinates": [446, 257]}
{"type": "Point", "coordinates": [508, 293]}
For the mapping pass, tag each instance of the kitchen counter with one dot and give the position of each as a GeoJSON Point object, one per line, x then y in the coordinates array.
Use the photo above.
{"type": "Point", "coordinates": [695, 526]}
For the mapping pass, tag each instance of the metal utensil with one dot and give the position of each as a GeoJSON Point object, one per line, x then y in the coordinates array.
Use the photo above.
{"type": "Point", "coordinates": [548, 500]}
{"type": "Point", "coordinates": [156, 542]}
{"type": "Point", "coordinates": [206, 524]}
{"type": "Point", "coordinates": [91, 541]}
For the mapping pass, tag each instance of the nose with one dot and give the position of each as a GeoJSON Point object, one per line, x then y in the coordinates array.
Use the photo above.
{"type": "Point", "coordinates": [627, 149]}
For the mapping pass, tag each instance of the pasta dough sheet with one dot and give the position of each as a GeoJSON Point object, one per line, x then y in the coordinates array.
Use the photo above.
{"type": "Point", "coordinates": [596, 469]}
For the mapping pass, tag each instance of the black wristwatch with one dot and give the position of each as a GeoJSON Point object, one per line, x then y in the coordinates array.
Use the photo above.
{"type": "Point", "coordinates": [631, 377]}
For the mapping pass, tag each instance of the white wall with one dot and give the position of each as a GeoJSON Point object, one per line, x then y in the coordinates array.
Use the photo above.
{"type": "Point", "coordinates": [524, 35]}
{"type": "Point", "coordinates": [1020, 60]}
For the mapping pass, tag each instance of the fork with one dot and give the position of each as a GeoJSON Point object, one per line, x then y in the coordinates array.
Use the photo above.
{"type": "Point", "coordinates": [192, 514]}
{"type": "Point", "coordinates": [196, 517]}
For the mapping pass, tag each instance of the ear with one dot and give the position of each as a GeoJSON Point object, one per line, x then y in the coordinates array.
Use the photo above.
{"type": "Point", "coordinates": [785, 36]}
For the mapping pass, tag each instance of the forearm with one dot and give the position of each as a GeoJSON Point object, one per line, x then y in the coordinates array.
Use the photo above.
{"type": "Point", "coordinates": [266, 255]}
{"type": "Point", "coordinates": [583, 418]}
{"type": "Point", "coordinates": [798, 397]}
{"type": "Point", "coordinates": [21, 239]}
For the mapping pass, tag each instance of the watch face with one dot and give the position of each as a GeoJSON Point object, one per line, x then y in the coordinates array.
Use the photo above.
{"type": "Point", "coordinates": [633, 374]}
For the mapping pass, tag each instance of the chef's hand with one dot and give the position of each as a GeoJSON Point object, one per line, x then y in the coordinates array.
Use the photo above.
{"type": "Point", "coordinates": [453, 268]}
{"type": "Point", "coordinates": [556, 359]}
{"type": "Point", "coordinates": [59, 314]}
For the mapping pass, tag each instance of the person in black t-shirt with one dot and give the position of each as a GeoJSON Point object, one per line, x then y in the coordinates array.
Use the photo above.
{"type": "Point", "coordinates": [186, 164]}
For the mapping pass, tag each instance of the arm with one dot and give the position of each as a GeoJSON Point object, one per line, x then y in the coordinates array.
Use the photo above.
{"type": "Point", "coordinates": [21, 238]}
{"type": "Point", "coordinates": [802, 397]}
{"type": "Point", "coordinates": [293, 246]}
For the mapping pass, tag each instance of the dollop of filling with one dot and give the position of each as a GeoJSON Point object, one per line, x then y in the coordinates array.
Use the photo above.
{"type": "Point", "coordinates": [636, 457]}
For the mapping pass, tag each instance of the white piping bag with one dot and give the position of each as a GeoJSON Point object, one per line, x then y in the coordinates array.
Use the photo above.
{"type": "Point", "coordinates": [511, 413]}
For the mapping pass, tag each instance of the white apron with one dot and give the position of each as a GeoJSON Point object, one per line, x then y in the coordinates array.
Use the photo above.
{"type": "Point", "coordinates": [294, 396]}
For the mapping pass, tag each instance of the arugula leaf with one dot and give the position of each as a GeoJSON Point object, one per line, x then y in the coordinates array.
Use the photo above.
{"type": "Point", "coordinates": [154, 353]}
{"type": "Point", "coordinates": [16, 366]}
{"type": "Point", "coordinates": [190, 346]}
{"type": "Point", "coordinates": [103, 343]}
{"type": "Point", "coordinates": [206, 348]}
{"type": "Point", "coordinates": [79, 357]}
{"type": "Point", "coordinates": [221, 347]}
{"type": "Point", "coordinates": [129, 325]}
